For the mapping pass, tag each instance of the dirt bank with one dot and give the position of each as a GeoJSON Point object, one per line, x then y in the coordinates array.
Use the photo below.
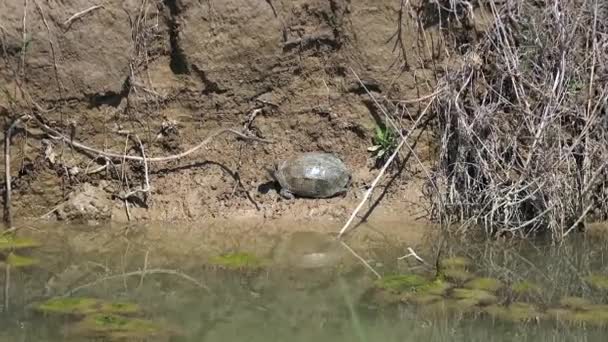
{"type": "Point", "coordinates": [171, 72]}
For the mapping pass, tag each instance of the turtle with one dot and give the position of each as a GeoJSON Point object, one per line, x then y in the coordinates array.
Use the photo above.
{"type": "Point", "coordinates": [312, 175]}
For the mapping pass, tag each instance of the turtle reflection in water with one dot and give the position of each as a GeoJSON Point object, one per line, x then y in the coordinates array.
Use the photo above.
{"type": "Point", "coordinates": [312, 175]}
{"type": "Point", "coordinates": [312, 259]}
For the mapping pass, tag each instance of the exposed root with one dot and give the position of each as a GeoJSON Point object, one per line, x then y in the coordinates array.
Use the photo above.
{"type": "Point", "coordinates": [117, 156]}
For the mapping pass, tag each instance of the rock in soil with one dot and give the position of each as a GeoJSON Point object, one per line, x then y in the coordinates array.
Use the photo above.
{"type": "Point", "coordinates": [88, 204]}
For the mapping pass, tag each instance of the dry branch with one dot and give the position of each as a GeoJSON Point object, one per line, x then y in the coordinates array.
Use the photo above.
{"type": "Point", "coordinates": [382, 171]}
{"type": "Point", "coordinates": [524, 141]}
{"type": "Point", "coordinates": [121, 156]}
{"type": "Point", "coordinates": [77, 15]}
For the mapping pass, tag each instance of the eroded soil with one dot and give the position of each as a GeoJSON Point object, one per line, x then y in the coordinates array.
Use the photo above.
{"type": "Point", "coordinates": [172, 72]}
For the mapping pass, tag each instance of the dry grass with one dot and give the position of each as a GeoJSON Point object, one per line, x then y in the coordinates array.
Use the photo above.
{"type": "Point", "coordinates": [523, 126]}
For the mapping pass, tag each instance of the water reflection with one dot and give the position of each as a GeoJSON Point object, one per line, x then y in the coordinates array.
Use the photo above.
{"type": "Point", "coordinates": [225, 282]}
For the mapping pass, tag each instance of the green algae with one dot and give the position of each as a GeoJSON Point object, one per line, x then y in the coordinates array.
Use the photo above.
{"type": "Point", "coordinates": [10, 242]}
{"type": "Point", "coordinates": [598, 281]}
{"type": "Point", "coordinates": [402, 282]}
{"type": "Point", "coordinates": [116, 326]}
{"type": "Point", "coordinates": [84, 306]}
{"type": "Point", "coordinates": [18, 261]}
{"type": "Point", "coordinates": [525, 288]}
{"type": "Point", "coordinates": [437, 287]}
{"type": "Point", "coordinates": [70, 306]}
{"type": "Point", "coordinates": [516, 312]}
{"type": "Point", "coordinates": [480, 297]}
{"type": "Point", "coordinates": [424, 299]}
{"type": "Point", "coordinates": [237, 260]}
{"type": "Point", "coordinates": [486, 284]}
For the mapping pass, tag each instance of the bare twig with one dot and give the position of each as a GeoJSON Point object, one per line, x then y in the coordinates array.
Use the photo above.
{"type": "Point", "coordinates": [117, 156]}
{"type": "Point", "coordinates": [8, 220]}
{"type": "Point", "coordinates": [146, 187]}
{"type": "Point", "coordinates": [80, 14]}
{"type": "Point", "coordinates": [143, 274]}
{"type": "Point", "coordinates": [361, 259]}
{"type": "Point", "coordinates": [137, 273]}
{"type": "Point", "coordinates": [413, 254]}
{"type": "Point", "coordinates": [381, 173]}
{"type": "Point", "coordinates": [24, 39]}
{"type": "Point", "coordinates": [7, 287]}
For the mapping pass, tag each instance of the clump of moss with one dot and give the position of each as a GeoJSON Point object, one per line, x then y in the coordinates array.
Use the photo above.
{"type": "Point", "coordinates": [10, 242]}
{"type": "Point", "coordinates": [18, 261]}
{"type": "Point", "coordinates": [437, 287]}
{"type": "Point", "coordinates": [402, 282]}
{"type": "Point", "coordinates": [455, 269]}
{"type": "Point", "coordinates": [486, 284]}
{"type": "Point", "coordinates": [79, 306]}
{"type": "Point", "coordinates": [237, 261]}
{"type": "Point", "coordinates": [479, 297]}
{"type": "Point", "coordinates": [116, 326]}
{"type": "Point", "coordinates": [456, 262]}
{"type": "Point", "coordinates": [516, 312]}
{"type": "Point", "coordinates": [424, 299]}
{"type": "Point", "coordinates": [457, 275]}
{"type": "Point", "coordinates": [598, 281]}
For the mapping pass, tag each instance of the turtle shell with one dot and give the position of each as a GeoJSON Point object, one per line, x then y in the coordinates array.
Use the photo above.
{"type": "Point", "coordinates": [313, 174]}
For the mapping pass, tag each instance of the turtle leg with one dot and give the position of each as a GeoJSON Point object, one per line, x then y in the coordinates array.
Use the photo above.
{"type": "Point", "coordinates": [286, 194]}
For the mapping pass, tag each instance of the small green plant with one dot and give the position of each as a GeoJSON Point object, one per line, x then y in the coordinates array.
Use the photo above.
{"type": "Point", "coordinates": [385, 142]}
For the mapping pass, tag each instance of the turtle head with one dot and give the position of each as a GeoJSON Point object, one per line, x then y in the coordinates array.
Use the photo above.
{"type": "Point", "coordinates": [272, 172]}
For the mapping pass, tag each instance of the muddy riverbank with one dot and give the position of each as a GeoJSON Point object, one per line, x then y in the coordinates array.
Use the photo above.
{"type": "Point", "coordinates": [304, 74]}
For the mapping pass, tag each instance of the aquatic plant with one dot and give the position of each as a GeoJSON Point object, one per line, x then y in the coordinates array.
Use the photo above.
{"type": "Point", "coordinates": [424, 299]}
{"type": "Point", "coordinates": [516, 312]}
{"type": "Point", "coordinates": [237, 260]}
{"type": "Point", "coordinates": [17, 261]}
{"type": "Point", "coordinates": [402, 282]}
{"type": "Point", "coordinates": [10, 242]}
{"type": "Point", "coordinates": [482, 283]}
{"type": "Point", "coordinates": [480, 297]}
{"type": "Point", "coordinates": [116, 326]}
{"type": "Point", "coordinates": [84, 306]}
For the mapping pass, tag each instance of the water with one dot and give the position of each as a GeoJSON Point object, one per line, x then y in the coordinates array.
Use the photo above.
{"type": "Point", "coordinates": [189, 299]}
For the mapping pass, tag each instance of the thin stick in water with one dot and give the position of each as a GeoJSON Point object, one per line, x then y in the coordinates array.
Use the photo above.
{"type": "Point", "coordinates": [8, 219]}
{"type": "Point", "coordinates": [382, 171]}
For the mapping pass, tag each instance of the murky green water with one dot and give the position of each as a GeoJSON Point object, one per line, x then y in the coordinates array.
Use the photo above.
{"type": "Point", "coordinates": [233, 283]}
